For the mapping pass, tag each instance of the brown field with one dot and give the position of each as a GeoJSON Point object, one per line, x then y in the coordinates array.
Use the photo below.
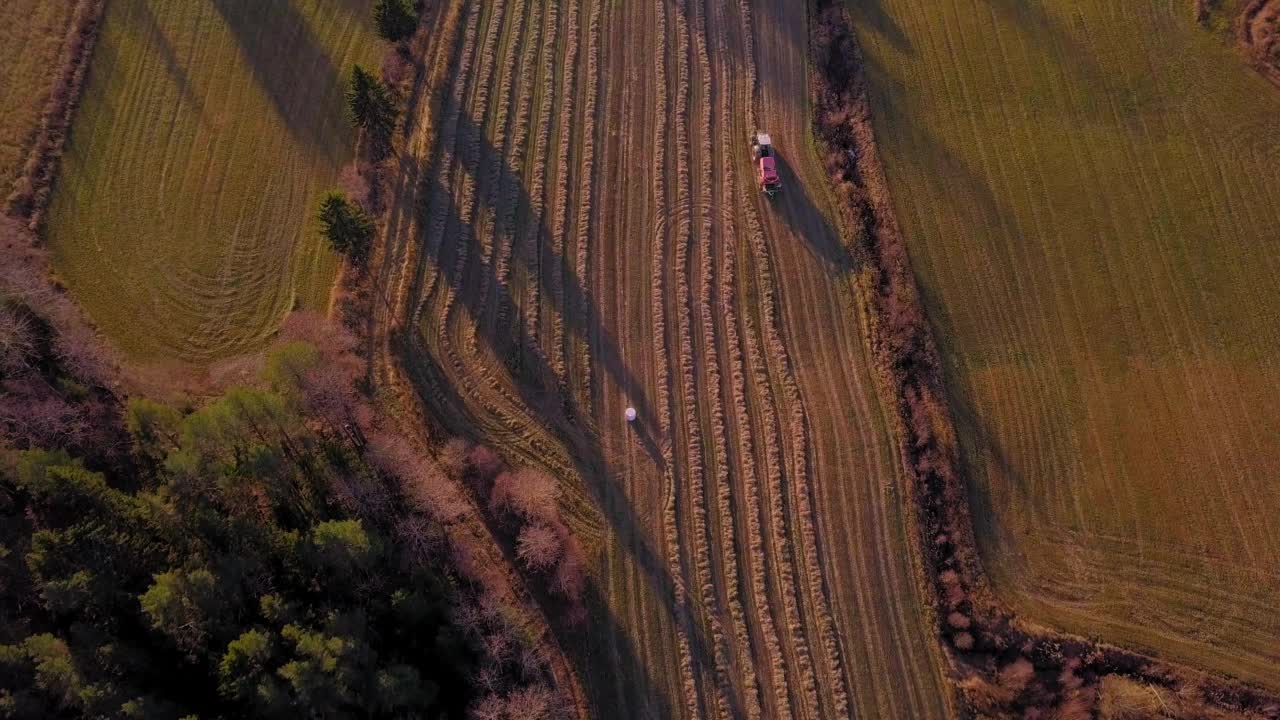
{"type": "Point", "coordinates": [578, 230]}
{"type": "Point", "coordinates": [32, 33]}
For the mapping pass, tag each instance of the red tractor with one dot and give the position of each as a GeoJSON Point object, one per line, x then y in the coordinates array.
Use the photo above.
{"type": "Point", "coordinates": [766, 164]}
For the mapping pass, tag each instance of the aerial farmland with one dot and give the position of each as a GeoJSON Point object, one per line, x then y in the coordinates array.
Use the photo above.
{"type": "Point", "coordinates": [532, 359]}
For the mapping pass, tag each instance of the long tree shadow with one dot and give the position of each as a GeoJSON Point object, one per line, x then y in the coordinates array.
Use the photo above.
{"type": "Point", "coordinates": [534, 378]}
{"type": "Point", "coordinates": [293, 69]}
{"type": "Point", "coordinates": [149, 28]}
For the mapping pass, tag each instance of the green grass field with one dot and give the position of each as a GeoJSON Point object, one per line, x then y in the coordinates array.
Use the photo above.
{"type": "Point", "coordinates": [183, 216]}
{"type": "Point", "coordinates": [31, 36]}
{"type": "Point", "coordinates": [1091, 193]}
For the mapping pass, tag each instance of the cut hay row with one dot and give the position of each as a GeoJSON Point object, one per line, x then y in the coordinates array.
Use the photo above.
{"type": "Point", "coordinates": [512, 180]}
{"type": "Point", "coordinates": [783, 576]}
{"type": "Point", "coordinates": [747, 346]}
{"type": "Point", "coordinates": [694, 469]}
{"type": "Point", "coordinates": [470, 158]}
{"type": "Point", "coordinates": [801, 499]}
{"type": "Point", "coordinates": [763, 617]}
{"type": "Point", "coordinates": [535, 229]}
{"type": "Point", "coordinates": [499, 180]}
{"type": "Point", "coordinates": [400, 249]}
{"type": "Point", "coordinates": [584, 205]}
{"type": "Point", "coordinates": [440, 173]}
{"type": "Point", "coordinates": [743, 664]}
{"type": "Point", "coordinates": [691, 687]}
{"type": "Point", "coordinates": [747, 488]}
{"type": "Point", "coordinates": [764, 331]}
{"type": "Point", "coordinates": [566, 101]}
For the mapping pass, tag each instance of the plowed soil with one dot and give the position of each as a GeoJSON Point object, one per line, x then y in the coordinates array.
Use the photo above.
{"type": "Point", "coordinates": [578, 231]}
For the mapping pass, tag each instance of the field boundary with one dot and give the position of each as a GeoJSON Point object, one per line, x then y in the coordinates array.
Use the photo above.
{"type": "Point", "coordinates": [32, 189]}
{"type": "Point", "coordinates": [985, 643]}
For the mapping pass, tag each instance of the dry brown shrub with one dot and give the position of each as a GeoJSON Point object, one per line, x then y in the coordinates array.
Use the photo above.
{"type": "Point", "coordinates": [1015, 676]}
{"type": "Point", "coordinates": [963, 641]}
{"type": "Point", "coordinates": [539, 546]}
{"type": "Point", "coordinates": [529, 493]}
{"type": "Point", "coordinates": [452, 457]}
{"type": "Point", "coordinates": [485, 465]}
{"type": "Point", "coordinates": [355, 184]}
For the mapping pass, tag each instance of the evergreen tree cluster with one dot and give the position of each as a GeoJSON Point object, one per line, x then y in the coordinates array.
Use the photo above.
{"type": "Point", "coordinates": [396, 19]}
{"type": "Point", "coordinates": [224, 572]}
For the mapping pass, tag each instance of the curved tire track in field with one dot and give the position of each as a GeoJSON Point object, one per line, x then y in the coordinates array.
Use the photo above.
{"type": "Point", "coordinates": [578, 231]}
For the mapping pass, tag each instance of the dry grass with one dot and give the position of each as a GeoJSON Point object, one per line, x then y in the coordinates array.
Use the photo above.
{"type": "Point", "coordinates": [32, 35]}
{"type": "Point", "coordinates": [182, 219]}
{"type": "Point", "coordinates": [1089, 195]}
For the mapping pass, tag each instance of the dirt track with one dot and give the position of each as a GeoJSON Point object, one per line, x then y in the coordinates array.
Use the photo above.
{"type": "Point", "coordinates": [577, 230]}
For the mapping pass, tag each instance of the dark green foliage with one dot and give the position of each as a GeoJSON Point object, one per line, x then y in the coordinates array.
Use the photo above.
{"type": "Point", "coordinates": [348, 229]}
{"type": "Point", "coordinates": [372, 108]}
{"type": "Point", "coordinates": [224, 576]}
{"type": "Point", "coordinates": [397, 19]}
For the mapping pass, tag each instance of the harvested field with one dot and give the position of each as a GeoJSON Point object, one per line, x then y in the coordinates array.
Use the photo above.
{"type": "Point", "coordinates": [32, 35]}
{"type": "Point", "coordinates": [577, 230]}
{"type": "Point", "coordinates": [1090, 201]}
{"type": "Point", "coordinates": [207, 130]}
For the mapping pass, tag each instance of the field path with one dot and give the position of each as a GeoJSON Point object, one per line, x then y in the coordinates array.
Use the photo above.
{"type": "Point", "coordinates": [578, 231]}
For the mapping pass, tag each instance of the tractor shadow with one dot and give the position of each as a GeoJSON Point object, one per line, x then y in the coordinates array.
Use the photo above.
{"type": "Point", "coordinates": [796, 209]}
{"type": "Point", "coordinates": [498, 324]}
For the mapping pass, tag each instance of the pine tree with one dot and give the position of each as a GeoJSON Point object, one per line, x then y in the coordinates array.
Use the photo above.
{"type": "Point", "coordinates": [371, 107]}
{"type": "Point", "coordinates": [348, 229]}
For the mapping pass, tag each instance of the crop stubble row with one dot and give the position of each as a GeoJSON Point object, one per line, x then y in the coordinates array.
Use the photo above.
{"type": "Point", "coordinates": [737, 593]}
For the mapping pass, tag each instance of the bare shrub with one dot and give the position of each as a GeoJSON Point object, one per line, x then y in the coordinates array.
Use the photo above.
{"type": "Point", "coordinates": [571, 578]}
{"type": "Point", "coordinates": [355, 184]}
{"type": "Point", "coordinates": [423, 482]}
{"type": "Point", "coordinates": [492, 707]}
{"type": "Point", "coordinates": [17, 340]}
{"type": "Point", "coordinates": [539, 547]}
{"type": "Point", "coordinates": [527, 492]}
{"type": "Point", "coordinates": [534, 702]}
{"type": "Point", "coordinates": [485, 465]}
{"type": "Point", "coordinates": [452, 457]}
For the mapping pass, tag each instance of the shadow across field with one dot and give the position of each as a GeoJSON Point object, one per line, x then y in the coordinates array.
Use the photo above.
{"type": "Point", "coordinates": [293, 69]}
{"type": "Point", "coordinates": [149, 28]}
{"type": "Point", "coordinates": [548, 405]}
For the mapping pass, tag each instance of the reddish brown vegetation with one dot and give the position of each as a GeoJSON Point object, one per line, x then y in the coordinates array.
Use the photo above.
{"type": "Point", "coordinates": [1004, 669]}
{"type": "Point", "coordinates": [54, 377]}
{"type": "Point", "coordinates": [526, 503]}
{"type": "Point", "coordinates": [31, 190]}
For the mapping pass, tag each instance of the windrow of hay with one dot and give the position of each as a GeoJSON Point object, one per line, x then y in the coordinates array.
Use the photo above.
{"type": "Point", "coordinates": [1003, 667]}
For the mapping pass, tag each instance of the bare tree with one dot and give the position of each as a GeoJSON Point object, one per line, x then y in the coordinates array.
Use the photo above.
{"type": "Point", "coordinates": [528, 492]}
{"type": "Point", "coordinates": [491, 707]}
{"type": "Point", "coordinates": [17, 340]}
{"type": "Point", "coordinates": [533, 702]}
{"type": "Point", "coordinates": [485, 464]}
{"type": "Point", "coordinates": [538, 546]}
